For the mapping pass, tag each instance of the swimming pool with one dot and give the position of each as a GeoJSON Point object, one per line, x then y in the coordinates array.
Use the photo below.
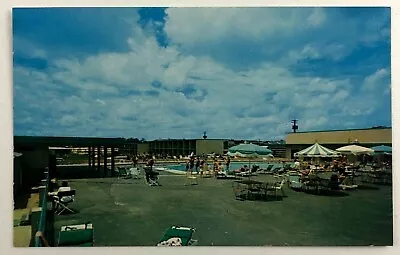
{"type": "Point", "coordinates": [233, 165]}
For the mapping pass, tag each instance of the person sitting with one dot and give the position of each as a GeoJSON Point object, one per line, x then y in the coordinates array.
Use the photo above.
{"type": "Point", "coordinates": [297, 165]}
{"type": "Point", "coordinates": [334, 182]}
{"type": "Point", "coordinates": [151, 176]}
{"type": "Point", "coordinates": [305, 172]}
{"type": "Point", "coordinates": [220, 167]}
{"type": "Point", "coordinates": [215, 167]}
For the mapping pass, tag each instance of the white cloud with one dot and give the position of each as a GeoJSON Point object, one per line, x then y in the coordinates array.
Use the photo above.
{"type": "Point", "coordinates": [193, 26]}
{"type": "Point", "coordinates": [246, 104]}
{"type": "Point", "coordinates": [317, 17]}
{"type": "Point", "coordinates": [26, 48]}
{"type": "Point", "coordinates": [110, 94]}
{"type": "Point", "coordinates": [377, 81]}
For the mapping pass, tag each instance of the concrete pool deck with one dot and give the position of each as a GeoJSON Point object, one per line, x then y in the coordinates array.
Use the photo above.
{"type": "Point", "coordinates": [130, 213]}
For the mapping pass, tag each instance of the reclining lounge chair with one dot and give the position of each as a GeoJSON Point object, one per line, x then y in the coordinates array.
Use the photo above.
{"type": "Point", "coordinates": [76, 235]}
{"type": "Point", "coordinates": [178, 236]}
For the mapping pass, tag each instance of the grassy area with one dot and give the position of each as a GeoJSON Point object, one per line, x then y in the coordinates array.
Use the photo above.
{"type": "Point", "coordinates": [130, 213]}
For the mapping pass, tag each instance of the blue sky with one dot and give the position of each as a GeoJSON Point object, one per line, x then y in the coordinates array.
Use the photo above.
{"type": "Point", "coordinates": [176, 72]}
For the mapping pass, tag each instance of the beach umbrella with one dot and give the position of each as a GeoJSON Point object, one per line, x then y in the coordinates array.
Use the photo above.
{"type": "Point", "coordinates": [355, 149]}
{"type": "Point", "coordinates": [249, 150]}
{"type": "Point", "coordinates": [382, 149]}
{"type": "Point", "coordinates": [317, 151]}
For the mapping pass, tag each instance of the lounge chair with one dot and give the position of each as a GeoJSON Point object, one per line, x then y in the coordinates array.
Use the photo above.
{"type": "Point", "coordinates": [248, 173]}
{"type": "Point", "coordinates": [287, 167]}
{"type": "Point", "coordinates": [178, 236]}
{"type": "Point", "coordinates": [278, 170]}
{"type": "Point", "coordinates": [226, 176]}
{"type": "Point", "coordinates": [123, 173]}
{"type": "Point", "coordinates": [76, 235]}
{"type": "Point", "coordinates": [268, 170]}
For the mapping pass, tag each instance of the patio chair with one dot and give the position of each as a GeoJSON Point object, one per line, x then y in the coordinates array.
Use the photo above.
{"type": "Point", "coordinates": [278, 187]}
{"type": "Point", "coordinates": [62, 200]}
{"type": "Point", "coordinates": [178, 236]}
{"type": "Point", "coordinates": [347, 184]}
{"type": "Point", "coordinates": [256, 192]}
{"type": "Point", "coordinates": [206, 172]}
{"type": "Point", "coordinates": [122, 173]}
{"type": "Point", "coordinates": [76, 235]}
{"type": "Point", "coordinates": [135, 172]}
{"type": "Point", "coordinates": [294, 181]}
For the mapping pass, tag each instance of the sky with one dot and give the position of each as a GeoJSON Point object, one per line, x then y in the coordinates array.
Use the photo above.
{"type": "Point", "coordinates": [241, 73]}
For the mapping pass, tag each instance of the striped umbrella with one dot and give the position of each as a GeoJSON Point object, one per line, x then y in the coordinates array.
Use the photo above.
{"type": "Point", "coordinates": [316, 151]}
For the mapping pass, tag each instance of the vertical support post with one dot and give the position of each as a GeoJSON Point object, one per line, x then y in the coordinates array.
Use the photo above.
{"type": "Point", "coordinates": [90, 156]}
{"type": "Point", "coordinates": [105, 173]}
{"type": "Point", "coordinates": [98, 158]}
{"type": "Point", "coordinates": [112, 161]}
{"type": "Point", "coordinates": [93, 157]}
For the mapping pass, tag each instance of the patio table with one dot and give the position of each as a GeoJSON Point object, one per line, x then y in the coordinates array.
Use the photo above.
{"type": "Point", "coordinates": [246, 187]}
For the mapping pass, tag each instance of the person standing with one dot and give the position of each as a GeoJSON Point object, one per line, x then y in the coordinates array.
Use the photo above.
{"type": "Point", "coordinates": [135, 161]}
{"type": "Point", "coordinates": [191, 164]}
{"type": "Point", "coordinates": [197, 165]}
{"type": "Point", "coordinates": [149, 169]}
{"type": "Point", "coordinates": [201, 167]}
{"type": "Point", "coordinates": [228, 162]}
{"type": "Point", "coordinates": [187, 167]}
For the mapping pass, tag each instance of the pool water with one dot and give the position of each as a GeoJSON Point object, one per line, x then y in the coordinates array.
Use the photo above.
{"type": "Point", "coordinates": [233, 165]}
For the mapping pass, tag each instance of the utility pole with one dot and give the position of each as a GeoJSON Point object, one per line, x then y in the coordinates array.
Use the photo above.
{"type": "Point", "coordinates": [294, 126]}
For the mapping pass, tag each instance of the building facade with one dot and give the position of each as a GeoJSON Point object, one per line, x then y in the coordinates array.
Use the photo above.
{"type": "Point", "coordinates": [334, 139]}
{"type": "Point", "coordinates": [184, 147]}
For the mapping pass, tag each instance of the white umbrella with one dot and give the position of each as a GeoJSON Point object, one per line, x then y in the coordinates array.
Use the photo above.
{"type": "Point", "coordinates": [355, 149]}
{"type": "Point", "coordinates": [316, 151]}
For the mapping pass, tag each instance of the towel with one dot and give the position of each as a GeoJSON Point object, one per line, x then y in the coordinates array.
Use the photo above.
{"type": "Point", "coordinates": [175, 241]}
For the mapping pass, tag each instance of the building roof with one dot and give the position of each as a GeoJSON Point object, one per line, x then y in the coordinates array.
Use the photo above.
{"type": "Point", "coordinates": [339, 130]}
{"type": "Point", "coordinates": [53, 141]}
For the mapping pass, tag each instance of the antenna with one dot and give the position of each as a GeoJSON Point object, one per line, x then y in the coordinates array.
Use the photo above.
{"type": "Point", "coordinates": [294, 126]}
{"type": "Point", "coordinates": [204, 135]}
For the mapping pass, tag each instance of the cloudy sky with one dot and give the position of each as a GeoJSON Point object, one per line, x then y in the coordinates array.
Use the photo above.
{"type": "Point", "coordinates": [176, 72]}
